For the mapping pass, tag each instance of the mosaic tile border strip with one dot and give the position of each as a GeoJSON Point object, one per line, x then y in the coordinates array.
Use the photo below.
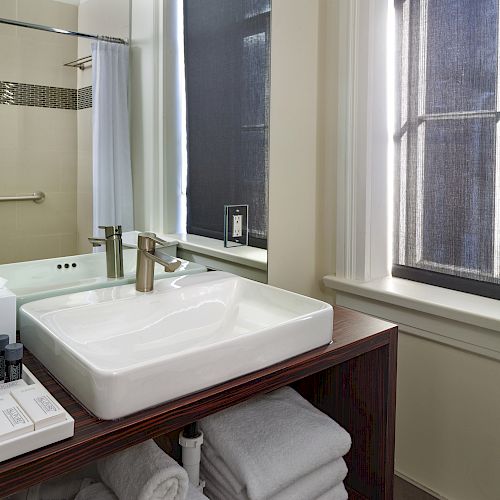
{"type": "Point", "coordinates": [84, 97]}
{"type": "Point", "coordinates": [42, 96]}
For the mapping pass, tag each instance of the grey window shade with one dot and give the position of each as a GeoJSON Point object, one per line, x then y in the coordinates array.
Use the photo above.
{"type": "Point", "coordinates": [447, 217]}
{"type": "Point", "coordinates": [227, 64]}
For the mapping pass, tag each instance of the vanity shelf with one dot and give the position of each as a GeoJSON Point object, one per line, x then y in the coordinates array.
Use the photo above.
{"type": "Point", "coordinates": [353, 380]}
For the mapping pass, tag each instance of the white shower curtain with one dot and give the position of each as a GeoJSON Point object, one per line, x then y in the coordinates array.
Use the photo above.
{"type": "Point", "coordinates": [112, 171]}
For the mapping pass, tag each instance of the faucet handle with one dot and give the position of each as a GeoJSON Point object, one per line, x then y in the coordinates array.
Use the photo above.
{"type": "Point", "coordinates": [110, 231]}
{"type": "Point", "coordinates": [147, 241]}
{"type": "Point", "coordinates": [170, 263]}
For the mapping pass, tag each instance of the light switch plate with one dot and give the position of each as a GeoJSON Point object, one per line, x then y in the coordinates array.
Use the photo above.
{"type": "Point", "coordinates": [235, 225]}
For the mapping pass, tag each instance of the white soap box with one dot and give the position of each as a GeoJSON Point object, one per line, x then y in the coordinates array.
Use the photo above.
{"type": "Point", "coordinates": [14, 421]}
{"type": "Point", "coordinates": [48, 421]}
{"type": "Point", "coordinates": [40, 406]}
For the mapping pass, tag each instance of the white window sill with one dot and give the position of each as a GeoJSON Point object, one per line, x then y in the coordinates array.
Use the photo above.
{"type": "Point", "coordinates": [244, 255]}
{"type": "Point", "coordinates": [460, 319]}
{"type": "Point", "coordinates": [246, 261]}
{"type": "Point", "coordinates": [249, 262]}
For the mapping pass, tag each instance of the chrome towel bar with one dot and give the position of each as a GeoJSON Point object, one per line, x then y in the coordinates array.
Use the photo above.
{"type": "Point", "coordinates": [37, 197]}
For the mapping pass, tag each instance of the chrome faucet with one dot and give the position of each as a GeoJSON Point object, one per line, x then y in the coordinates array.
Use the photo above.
{"type": "Point", "coordinates": [114, 249]}
{"type": "Point", "coordinates": [146, 258]}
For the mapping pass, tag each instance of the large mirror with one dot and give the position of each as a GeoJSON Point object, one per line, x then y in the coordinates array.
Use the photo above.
{"type": "Point", "coordinates": [109, 124]}
{"type": "Point", "coordinates": [46, 125]}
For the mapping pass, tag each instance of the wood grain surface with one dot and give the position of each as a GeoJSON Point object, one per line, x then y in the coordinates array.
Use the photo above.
{"type": "Point", "coordinates": [352, 379]}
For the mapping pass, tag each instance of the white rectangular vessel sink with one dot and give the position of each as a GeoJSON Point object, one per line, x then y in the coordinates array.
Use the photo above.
{"type": "Point", "coordinates": [39, 279]}
{"type": "Point", "coordinates": [119, 351]}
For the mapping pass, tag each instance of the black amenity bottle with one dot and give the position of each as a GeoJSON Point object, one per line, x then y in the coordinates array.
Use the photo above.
{"type": "Point", "coordinates": [13, 362]}
{"type": "Point", "coordinates": [4, 340]}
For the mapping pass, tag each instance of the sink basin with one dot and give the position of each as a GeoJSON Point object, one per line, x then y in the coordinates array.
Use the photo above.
{"type": "Point", "coordinates": [39, 279]}
{"type": "Point", "coordinates": [119, 351]}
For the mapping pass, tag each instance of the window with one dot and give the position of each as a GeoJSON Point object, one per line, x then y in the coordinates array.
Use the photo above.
{"type": "Point", "coordinates": [227, 63]}
{"type": "Point", "coordinates": [447, 145]}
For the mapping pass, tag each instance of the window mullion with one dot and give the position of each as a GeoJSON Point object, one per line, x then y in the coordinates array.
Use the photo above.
{"type": "Point", "coordinates": [405, 129]}
{"type": "Point", "coordinates": [421, 91]}
{"type": "Point", "coordinates": [464, 115]}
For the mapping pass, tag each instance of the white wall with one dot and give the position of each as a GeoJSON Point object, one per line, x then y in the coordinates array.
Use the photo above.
{"type": "Point", "coordinates": [448, 416]}
{"type": "Point", "coordinates": [302, 144]}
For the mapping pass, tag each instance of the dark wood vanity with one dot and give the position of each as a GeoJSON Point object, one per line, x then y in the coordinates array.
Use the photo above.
{"type": "Point", "coordinates": [353, 380]}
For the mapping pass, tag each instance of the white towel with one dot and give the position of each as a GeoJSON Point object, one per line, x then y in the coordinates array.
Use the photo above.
{"type": "Point", "coordinates": [310, 486]}
{"type": "Point", "coordinates": [144, 472]}
{"type": "Point", "coordinates": [319, 480]}
{"type": "Point", "coordinates": [3, 282]}
{"type": "Point", "coordinates": [271, 441]}
{"type": "Point", "coordinates": [96, 491]}
{"type": "Point", "coordinates": [218, 469]}
{"type": "Point", "coordinates": [337, 493]}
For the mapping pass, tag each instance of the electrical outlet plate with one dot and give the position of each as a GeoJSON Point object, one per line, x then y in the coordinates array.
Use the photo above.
{"type": "Point", "coordinates": [235, 225]}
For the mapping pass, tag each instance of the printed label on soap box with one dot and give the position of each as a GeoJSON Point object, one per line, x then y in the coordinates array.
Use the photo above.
{"type": "Point", "coordinates": [13, 420]}
{"type": "Point", "coordinates": [40, 405]}
{"type": "Point", "coordinates": [7, 386]}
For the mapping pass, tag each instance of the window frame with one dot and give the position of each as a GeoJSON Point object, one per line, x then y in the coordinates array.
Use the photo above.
{"type": "Point", "coordinates": [364, 175]}
{"type": "Point", "coordinates": [462, 321]}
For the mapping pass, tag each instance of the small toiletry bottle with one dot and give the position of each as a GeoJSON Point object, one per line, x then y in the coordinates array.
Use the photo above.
{"type": "Point", "coordinates": [4, 340]}
{"type": "Point", "coordinates": [13, 362]}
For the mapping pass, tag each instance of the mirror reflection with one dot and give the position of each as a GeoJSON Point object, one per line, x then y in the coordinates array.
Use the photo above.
{"type": "Point", "coordinates": [60, 168]}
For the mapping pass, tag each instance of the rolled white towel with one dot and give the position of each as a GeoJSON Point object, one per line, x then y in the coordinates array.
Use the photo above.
{"type": "Point", "coordinates": [337, 493]}
{"type": "Point", "coordinates": [96, 491]}
{"type": "Point", "coordinates": [144, 472]}
{"type": "Point", "coordinates": [253, 437]}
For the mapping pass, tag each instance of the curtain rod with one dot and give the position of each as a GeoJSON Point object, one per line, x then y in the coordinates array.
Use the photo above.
{"type": "Point", "coordinates": [23, 24]}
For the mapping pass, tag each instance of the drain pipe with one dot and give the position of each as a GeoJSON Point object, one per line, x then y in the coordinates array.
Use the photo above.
{"type": "Point", "coordinates": [191, 439]}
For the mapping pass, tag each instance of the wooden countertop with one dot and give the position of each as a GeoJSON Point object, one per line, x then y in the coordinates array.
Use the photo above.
{"type": "Point", "coordinates": [354, 335]}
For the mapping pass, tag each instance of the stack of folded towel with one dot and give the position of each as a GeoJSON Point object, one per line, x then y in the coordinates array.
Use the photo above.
{"type": "Point", "coordinates": [142, 472]}
{"type": "Point", "coordinates": [274, 447]}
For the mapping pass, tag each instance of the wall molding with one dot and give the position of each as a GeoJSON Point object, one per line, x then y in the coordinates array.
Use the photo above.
{"type": "Point", "coordinates": [147, 112]}
{"type": "Point", "coordinates": [362, 207]}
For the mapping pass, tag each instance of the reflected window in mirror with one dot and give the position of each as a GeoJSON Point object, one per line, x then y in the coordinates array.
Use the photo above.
{"type": "Point", "coordinates": [227, 79]}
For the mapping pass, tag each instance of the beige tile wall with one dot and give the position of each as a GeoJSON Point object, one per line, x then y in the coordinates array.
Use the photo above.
{"type": "Point", "coordinates": [38, 146]}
